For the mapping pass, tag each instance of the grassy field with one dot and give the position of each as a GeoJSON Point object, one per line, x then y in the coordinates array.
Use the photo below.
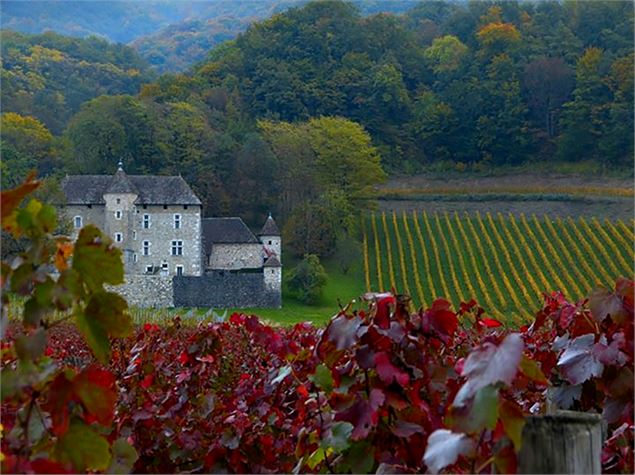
{"type": "Point", "coordinates": [339, 288]}
{"type": "Point", "coordinates": [504, 262]}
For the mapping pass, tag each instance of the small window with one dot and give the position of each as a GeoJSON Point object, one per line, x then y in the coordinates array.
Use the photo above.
{"type": "Point", "coordinates": [164, 268]}
{"type": "Point", "coordinates": [90, 206]}
{"type": "Point", "coordinates": [118, 237]}
{"type": "Point", "coordinates": [177, 221]}
{"type": "Point", "coordinates": [165, 206]}
{"type": "Point", "coordinates": [179, 270]}
{"type": "Point", "coordinates": [134, 235]}
{"type": "Point", "coordinates": [149, 269]}
{"type": "Point", "coordinates": [146, 221]}
{"type": "Point", "coordinates": [118, 214]}
{"type": "Point", "coordinates": [177, 248]}
{"type": "Point", "coordinates": [145, 206]}
{"type": "Point", "coordinates": [78, 222]}
{"type": "Point", "coordinates": [184, 206]}
{"type": "Point", "coordinates": [118, 201]}
{"type": "Point", "coordinates": [134, 257]}
{"type": "Point", "coordinates": [270, 243]}
{"type": "Point", "coordinates": [146, 248]}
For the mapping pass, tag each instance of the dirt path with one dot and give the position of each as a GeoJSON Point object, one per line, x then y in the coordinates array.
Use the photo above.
{"type": "Point", "coordinates": [523, 181]}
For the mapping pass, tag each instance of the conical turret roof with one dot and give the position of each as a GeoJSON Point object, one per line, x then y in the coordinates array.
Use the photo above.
{"type": "Point", "coordinates": [121, 184]}
{"type": "Point", "coordinates": [270, 228]}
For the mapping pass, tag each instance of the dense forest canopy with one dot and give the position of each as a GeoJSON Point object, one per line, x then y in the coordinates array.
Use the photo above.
{"type": "Point", "coordinates": [50, 76]}
{"type": "Point", "coordinates": [477, 84]}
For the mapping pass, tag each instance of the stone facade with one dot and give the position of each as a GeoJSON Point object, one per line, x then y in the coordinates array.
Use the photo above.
{"type": "Point", "coordinates": [235, 256]}
{"type": "Point", "coordinates": [157, 223]}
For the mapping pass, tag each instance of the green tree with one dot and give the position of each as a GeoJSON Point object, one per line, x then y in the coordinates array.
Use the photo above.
{"type": "Point", "coordinates": [585, 117]}
{"type": "Point", "coordinates": [26, 144]}
{"type": "Point", "coordinates": [109, 129]}
{"type": "Point", "coordinates": [348, 252]}
{"type": "Point", "coordinates": [446, 54]}
{"type": "Point", "coordinates": [306, 280]}
{"type": "Point", "coordinates": [345, 157]}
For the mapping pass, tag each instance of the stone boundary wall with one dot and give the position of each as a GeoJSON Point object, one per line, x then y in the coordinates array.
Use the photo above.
{"type": "Point", "coordinates": [224, 289]}
{"type": "Point", "coordinates": [147, 291]}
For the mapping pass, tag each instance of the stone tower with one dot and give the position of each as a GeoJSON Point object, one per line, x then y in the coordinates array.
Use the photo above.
{"type": "Point", "coordinates": [270, 238]}
{"type": "Point", "coordinates": [119, 216]}
{"type": "Point", "coordinates": [272, 270]}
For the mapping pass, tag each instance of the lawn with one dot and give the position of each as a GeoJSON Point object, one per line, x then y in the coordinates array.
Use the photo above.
{"type": "Point", "coordinates": [339, 288]}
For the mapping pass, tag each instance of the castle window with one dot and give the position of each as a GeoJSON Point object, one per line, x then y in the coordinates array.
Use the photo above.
{"type": "Point", "coordinates": [270, 243]}
{"type": "Point", "coordinates": [146, 221]}
{"type": "Point", "coordinates": [165, 206]}
{"type": "Point", "coordinates": [146, 248]}
{"type": "Point", "coordinates": [134, 257]}
{"type": "Point", "coordinates": [177, 248]}
{"type": "Point", "coordinates": [164, 268]}
{"type": "Point", "coordinates": [118, 237]}
{"type": "Point", "coordinates": [134, 235]}
{"type": "Point", "coordinates": [118, 201]}
{"type": "Point", "coordinates": [145, 206]}
{"type": "Point", "coordinates": [177, 221]}
{"type": "Point", "coordinates": [90, 206]}
{"type": "Point", "coordinates": [78, 222]}
{"type": "Point", "coordinates": [179, 270]}
{"type": "Point", "coordinates": [149, 269]}
{"type": "Point", "coordinates": [118, 214]}
{"type": "Point", "coordinates": [184, 206]}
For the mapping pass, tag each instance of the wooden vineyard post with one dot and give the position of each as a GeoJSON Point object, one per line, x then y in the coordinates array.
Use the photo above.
{"type": "Point", "coordinates": [564, 442]}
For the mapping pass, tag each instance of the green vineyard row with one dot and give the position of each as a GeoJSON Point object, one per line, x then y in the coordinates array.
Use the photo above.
{"type": "Point", "coordinates": [504, 262]}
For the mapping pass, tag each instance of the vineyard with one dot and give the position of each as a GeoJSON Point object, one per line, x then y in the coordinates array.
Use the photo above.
{"type": "Point", "coordinates": [504, 262]}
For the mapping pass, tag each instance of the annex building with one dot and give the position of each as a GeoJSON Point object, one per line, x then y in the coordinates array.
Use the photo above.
{"type": "Point", "coordinates": [172, 255]}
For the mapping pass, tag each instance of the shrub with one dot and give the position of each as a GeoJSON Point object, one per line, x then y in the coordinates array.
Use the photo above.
{"type": "Point", "coordinates": [307, 280]}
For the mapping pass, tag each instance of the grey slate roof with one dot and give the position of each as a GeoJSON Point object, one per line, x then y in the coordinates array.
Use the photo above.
{"type": "Point", "coordinates": [151, 190]}
{"type": "Point", "coordinates": [225, 231]}
{"type": "Point", "coordinates": [272, 262]}
{"type": "Point", "coordinates": [270, 228]}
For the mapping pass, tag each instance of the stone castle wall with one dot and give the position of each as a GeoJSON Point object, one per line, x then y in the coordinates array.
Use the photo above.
{"type": "Point", "coordinates": [147, 291]}
{"type": "Point", "coordinates": [220, 289]}
{"type": "Point", "coordinates": [224, 289]}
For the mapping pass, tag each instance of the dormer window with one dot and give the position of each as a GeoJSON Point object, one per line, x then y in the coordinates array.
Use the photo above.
{"type": "Point", "coordinates": [77, 221]}
{"type": "Point", "coordinates": [118, 214]}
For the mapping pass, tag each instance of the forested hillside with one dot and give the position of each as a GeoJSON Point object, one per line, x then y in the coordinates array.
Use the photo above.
{"type": "Point", "coordinates": [496, 83]}
{"type": "Point", "coordinates": [474, 85]}
{"type": "Point", "coordinates": [50, 76]}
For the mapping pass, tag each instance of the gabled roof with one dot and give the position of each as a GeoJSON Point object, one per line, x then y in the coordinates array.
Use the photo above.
{"type": "Point", "coordinates": [270, 228]}
{"type": "Point", "coordinates": [150, 190]}
{"type": "Point", "coordinates": [225, 231]}
{"type": "Point", "coordinates": [272, 262]}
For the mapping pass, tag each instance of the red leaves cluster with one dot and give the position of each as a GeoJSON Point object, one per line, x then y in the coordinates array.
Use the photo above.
{"type": "Point", "coordinates": [383, 389]}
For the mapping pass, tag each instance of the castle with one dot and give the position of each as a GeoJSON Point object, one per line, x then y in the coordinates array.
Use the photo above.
{"type": "Point", "coordinates": [172, 255]}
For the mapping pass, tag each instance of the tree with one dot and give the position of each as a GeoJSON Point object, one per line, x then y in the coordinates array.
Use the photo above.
{"type": "Point", "coordinates": [548, 83]}
{"type": "Point", "coordinates": [446, 54]}
{"type": "Point", "coordinates": [584, 117]}
{"type": "Point", "coordinates": [347, 252]}
{"type": "Point", "coordinates": [26, 144]}
{"type": "Point", "coordinates": [109, 129]}
{"type": "Point", "coordinates": [307, 280]}
{"type": "Point", "coordinates": [345, 157]}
